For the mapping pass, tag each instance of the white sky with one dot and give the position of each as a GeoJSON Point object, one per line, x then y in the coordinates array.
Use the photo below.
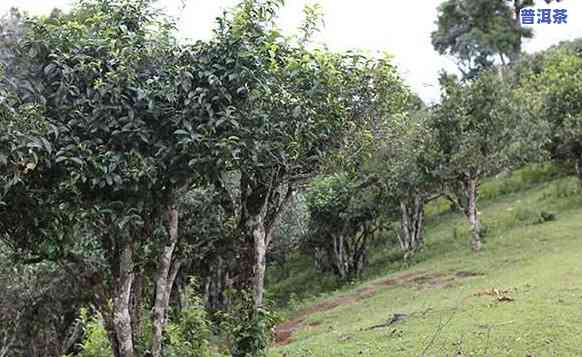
{"type": "Point", "coordinates": [400, 27]}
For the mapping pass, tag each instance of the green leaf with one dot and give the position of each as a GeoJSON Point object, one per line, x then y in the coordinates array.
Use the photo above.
{"type": "Point", "coordinates": [76, 160]}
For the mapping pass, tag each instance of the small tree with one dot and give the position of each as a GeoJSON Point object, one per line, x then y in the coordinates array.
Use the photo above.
{"type": "Point", "coordinates": [407, 162]}
{"type": "Point", "coordinates": [343, 218]}
{"type": "Point", "coordinates": [305, 109]}
{"type": "Point", "coordinates": [479, 130]}
{"type": "Point", "coordinates": [346, 207]}
{"type": "Point", "coordinates": [126, 118]}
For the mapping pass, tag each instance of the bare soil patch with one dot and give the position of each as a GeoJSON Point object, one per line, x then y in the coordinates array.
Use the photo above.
{"type": "Point", "coordinates": [467, 274]}
{"type": "Point", "coordinates": [400, 278]}
{"type": "Point", "coordinates": [284, 331]}
{"type": "Point", "coordinates": [365, 293]}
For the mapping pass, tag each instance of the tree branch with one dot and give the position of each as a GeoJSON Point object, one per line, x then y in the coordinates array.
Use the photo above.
{"type": "Point", "coordinates": [274, 220]}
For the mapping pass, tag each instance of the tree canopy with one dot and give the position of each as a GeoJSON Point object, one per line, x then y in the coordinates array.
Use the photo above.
{"type": "Point", "coordinates": [478, 31]}
{"type": "Point", "coordinates": [148, 184]}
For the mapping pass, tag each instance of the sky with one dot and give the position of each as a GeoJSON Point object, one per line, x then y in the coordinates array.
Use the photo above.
{"type": "Point", "coordinates": [401, 28]}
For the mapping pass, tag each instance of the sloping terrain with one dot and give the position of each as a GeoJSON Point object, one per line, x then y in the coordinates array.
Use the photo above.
{"type": "Point", "coordinates": [521, 296]}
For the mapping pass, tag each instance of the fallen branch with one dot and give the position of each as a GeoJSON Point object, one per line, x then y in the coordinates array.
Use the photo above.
{"type": "Point", "coordinates": [395, 319]}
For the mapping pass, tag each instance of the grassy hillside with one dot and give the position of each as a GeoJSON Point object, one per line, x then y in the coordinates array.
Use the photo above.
{"type": "Point", "coordinates": [522, 296]}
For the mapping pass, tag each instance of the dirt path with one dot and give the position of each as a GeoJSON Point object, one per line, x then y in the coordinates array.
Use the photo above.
{"type": "Point", "coordinates": [418, 280]}
{"type": "Point", "coordinates": [284, 331]}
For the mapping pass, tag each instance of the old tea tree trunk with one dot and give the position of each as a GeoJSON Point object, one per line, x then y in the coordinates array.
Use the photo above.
{"type": "Point", "coordinates": [167, 271]}
{"type": "Point", "coordinates": [114, 301]}
{"type": "Point", "coordinates": [411, 224]}
{"type": "Point", "coordinates": [471, 190]}
{"type": "Point", "coordinates": [262, 209]}
{"type": "Point", "coordinates": [470, 182]}
{"type": "Point", "coordinates": [350, 252]}
{"type": "Point", "coordinates": [121, 303]}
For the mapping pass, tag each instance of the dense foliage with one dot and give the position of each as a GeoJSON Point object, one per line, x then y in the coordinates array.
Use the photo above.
{"type": "Point", "coordinates": [148, 184]}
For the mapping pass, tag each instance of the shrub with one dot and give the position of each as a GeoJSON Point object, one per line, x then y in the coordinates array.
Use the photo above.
{"type": "Point", "coordinates": [541, 173]}
{"type": "Point", "coordinates": [188, 333]}
{"type": "Point", "coordinates": [519, 180]}
{"type": "Point", "coordinates": [461, 232]}
{"type": "Point", "coordinates": [249, 331]}
{"type": "Point", "coordinates": [545, 217]}
{"type": "Point", "coordinates": [96, 342]}
{"type": "Point", "coordinates": [562, 189]}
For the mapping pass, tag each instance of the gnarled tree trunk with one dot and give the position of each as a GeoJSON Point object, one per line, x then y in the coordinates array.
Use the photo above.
{"type": "Point", "coordinates": [468, 202]}
{"type": "Point", "coordinates": [123, 281]}
{"type": "Point", "coordinates": [260, 241]}
{"type": "Point", "coordinates": [350, 251]}
{"type": "Point", "coordinates": [105, 309]}
{"type": "Point", "coordinates": [411, 224]}
{"type": "Point", "coordinates": [167, 271]}
{"type": "Point", "coordinates": [137, 302]}
{"type": "Point", "coordinates": [254, 257]}
{"type": "Point", "coordinates": [262, 209]}
{"type": "Point", "coordinates": [471, 188]}
{"type": "Point", "coordinates": [359, 256]}
{"type": "Point", "coordinates": [339, 255]}
{"type": "Point", "coordinates": [252, 261]}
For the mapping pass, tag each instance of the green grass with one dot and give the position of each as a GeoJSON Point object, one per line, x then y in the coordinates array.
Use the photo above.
{"type": "Point", "coordinates": [298, 283]}
{"type": "Point", "coordinates": [538, 264]}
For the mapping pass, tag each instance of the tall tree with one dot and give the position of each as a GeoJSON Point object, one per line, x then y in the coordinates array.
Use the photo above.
{"type": "Point", "coordinates": [11, 29]}
{"type": "Point", "coordinates": [477, 31]}
{"type": "Point", "coordinates": [517, 6]}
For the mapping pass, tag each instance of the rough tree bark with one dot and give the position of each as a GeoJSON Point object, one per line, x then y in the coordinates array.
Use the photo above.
{"type": "Point", "coordinates": [257, 227]}
{"type": "Point", "coordinates": [263, 207]}
{"type": "Point", "coordinates": [411, 224]}
{"type": "Point", "coordinates": [339, 256]}
{"type": "Point", "coordinates": [255, 255]}
{"type": "Point", "coordinates": [121, 301]}
{"type": "Point", "coordinates": [113, 299]}
{"type": "Point", "coordinates": [253, 244]}
{"type": "Point", "coordinates": [471, 188]}
{"type": "Point", "coordinates": [137, 301]}
{"type": "Point", "coordinates": [107, 314]}
{"type": "Point", "coordinates": [166, 275]}
{"type": "Point", "coordinates": [350, 251]}
{"type": "Point", "coordinates": [359, 256]}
